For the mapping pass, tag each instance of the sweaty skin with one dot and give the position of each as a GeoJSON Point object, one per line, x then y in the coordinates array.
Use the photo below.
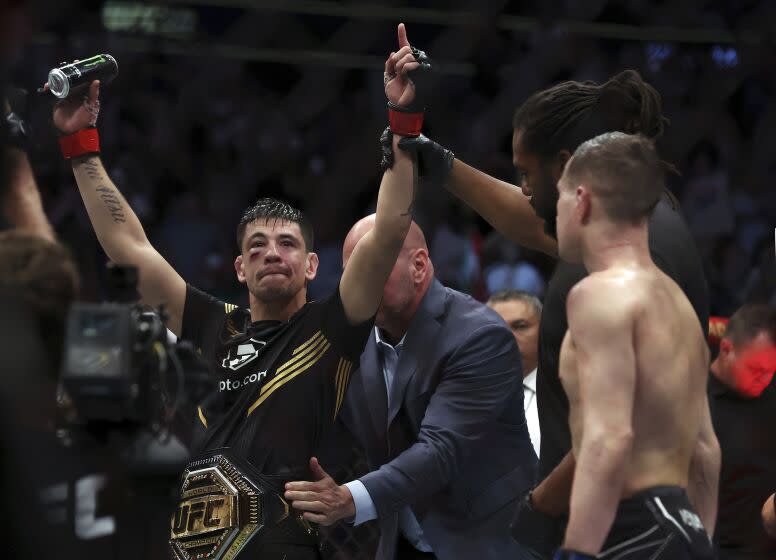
{"type": "Point", "coordinates": [634, 367]}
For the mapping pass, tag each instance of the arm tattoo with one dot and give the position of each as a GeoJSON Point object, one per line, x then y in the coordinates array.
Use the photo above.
{"type": "Point", "coordinates": [92, 171]}
{"type": "Point", "coordinates": [108, 196]}
{"type": "Point", "coordinates": [415, 179]}
{"type": "Point", "coordinates": [113, 204]}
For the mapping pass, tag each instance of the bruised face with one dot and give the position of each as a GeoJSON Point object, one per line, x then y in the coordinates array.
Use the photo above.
{"type": "Point", "coordinates": [538, 179]}
{"type": "Point", "coordinates": [274, 263]}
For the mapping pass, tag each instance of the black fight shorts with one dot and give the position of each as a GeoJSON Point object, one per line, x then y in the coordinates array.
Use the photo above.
{"type": "Point", "coordinates": [657, 524]}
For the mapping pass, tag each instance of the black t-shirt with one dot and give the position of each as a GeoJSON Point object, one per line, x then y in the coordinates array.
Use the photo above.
{"type": "Point", "coordinates": [746, 430]}
{"type": "Point", "coordinates": [280, 384]}
{"type": "Point", "coordinates": [674, 251]}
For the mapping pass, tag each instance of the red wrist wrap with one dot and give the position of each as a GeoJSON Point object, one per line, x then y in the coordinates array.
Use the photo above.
{"type": "Point", "coordinates": [85, 141]}
{"type": "Point", "coordinates": [405, 124]}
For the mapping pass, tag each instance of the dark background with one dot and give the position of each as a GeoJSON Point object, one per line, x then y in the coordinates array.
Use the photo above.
{"type": "Point", "coordinates": [220, 102]}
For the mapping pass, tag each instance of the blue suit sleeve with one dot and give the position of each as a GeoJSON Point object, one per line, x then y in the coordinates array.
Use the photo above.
{"type": "Point", "coordinates": [476, 383]}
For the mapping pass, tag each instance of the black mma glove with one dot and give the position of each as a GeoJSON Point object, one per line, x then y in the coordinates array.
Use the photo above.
{"type": "Point", "coordinates": [386, 146]}
{"type": "Point", "coordinates": [434, 161]}
{"type": "Point", "coordinates": [421, 77]}
{"type": "Point", "coordinates": [408, 120]}
{"type": "Point", "coordinates": [536, 530]}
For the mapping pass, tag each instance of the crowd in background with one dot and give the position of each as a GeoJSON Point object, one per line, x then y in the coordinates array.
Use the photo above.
{"type": "Point", "coordinates": [192, 140]}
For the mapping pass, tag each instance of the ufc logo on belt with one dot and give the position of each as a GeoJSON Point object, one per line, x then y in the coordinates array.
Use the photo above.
{"type": "Point", "coordinates": [203, 515]}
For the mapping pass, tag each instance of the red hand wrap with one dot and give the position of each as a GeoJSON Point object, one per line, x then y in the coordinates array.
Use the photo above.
{"type": "Point", "coordinates": [85, 141]}
{"type": "Point", "coordinates": [405, 124]}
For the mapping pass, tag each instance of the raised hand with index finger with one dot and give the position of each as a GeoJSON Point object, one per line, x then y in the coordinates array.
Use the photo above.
{"type": "Point", "coordinates": [399, 89]}
{"type": "Point", "coordinates": [405, 78]}
{"type": "Point", "coordinates": [405, 74]}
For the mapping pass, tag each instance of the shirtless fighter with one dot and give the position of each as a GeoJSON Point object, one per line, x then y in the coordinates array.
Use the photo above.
{"type": "Point", "coordinates": [633, 363]}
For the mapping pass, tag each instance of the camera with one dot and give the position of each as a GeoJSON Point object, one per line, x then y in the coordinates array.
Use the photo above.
{"type": "Point", "coordinates": [119, 363]}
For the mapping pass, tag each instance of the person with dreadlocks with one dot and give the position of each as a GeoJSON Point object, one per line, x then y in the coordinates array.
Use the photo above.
{"type": "Point", "coordinates": [281, 366]}
{"type": "Point", "coordinates": [547, 128]}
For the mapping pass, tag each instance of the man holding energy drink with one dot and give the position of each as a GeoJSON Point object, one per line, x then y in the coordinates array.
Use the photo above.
{"type": "Point", "coordinates": [282, 365]}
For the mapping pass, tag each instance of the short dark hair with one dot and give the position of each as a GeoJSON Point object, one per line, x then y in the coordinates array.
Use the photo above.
{"type": "Point", "coordinates": [517, 295]}
{"type": "Point", "coordinates": [623, 170]}
{"type": "Point", "coordinates": [273, 209]}
{"type": "Point", "coordinates": [565, 115]}
{"type": "Point", "coordinates": [749, 321]}
{"type": "Point", "coordinates": [45, 276]}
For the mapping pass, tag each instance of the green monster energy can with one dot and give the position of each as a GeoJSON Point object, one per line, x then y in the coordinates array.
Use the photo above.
{"type": "Point", "coordinates": [74, 77]}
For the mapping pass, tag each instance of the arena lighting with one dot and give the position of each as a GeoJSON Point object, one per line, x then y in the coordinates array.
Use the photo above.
{"type": "Point", "coordinates": [151, 19]}
{"type": "Point", "coordinates": [299, 57]}
{"type": "Point", "coordinates": [602, 30]}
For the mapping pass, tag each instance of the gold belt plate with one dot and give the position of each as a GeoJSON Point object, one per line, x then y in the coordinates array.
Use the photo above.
{"type": "Point", "coordinates": [220, 509]}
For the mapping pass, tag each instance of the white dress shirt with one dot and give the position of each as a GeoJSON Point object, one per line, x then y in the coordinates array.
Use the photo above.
{"type": "Point", "coordinates": [531, 409]}
{"type": "Point", "coordinates": [365, 507]}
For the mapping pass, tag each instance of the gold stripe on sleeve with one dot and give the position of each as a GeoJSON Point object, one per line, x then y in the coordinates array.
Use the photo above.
{"type": "Point", "coordinates": [280, 375]}
{"type": "Point", "coordinates": [343, 379]}
{"type": "Point", "coordinates": [283, 370]}
{"type": "Point", "coordinates": [290, 374]}
{"type": "Point", "coordinates": [312, 340]}
{"type": "Point", "coordinates": [202, 416]}
{"type": "Point", "coordinates": [337, 383]}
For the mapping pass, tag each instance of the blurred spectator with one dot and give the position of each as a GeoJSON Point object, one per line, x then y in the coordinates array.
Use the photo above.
{"type": "Point", "coordinates": [706, 200]}
{"type": "Point", "coordinates": [504, 269]}
{"type": "Point", "coordinates": [454, 250]}
{"type": "Point", "coordinates": [760, 286]}
{"type": "Point", "coordinates": [727, 272]}
{"type": "Point", "coordinates": [742, 399]}
{"type": "Point", "coordinates": [522, 312]}
{"type": "Point", "coordinates": [187, 226]}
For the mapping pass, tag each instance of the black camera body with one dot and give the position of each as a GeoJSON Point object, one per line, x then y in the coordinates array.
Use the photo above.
{"type": "Point", "coordinates": [120, 366]}
{"type": "Point", "coordinates": [114, 354]}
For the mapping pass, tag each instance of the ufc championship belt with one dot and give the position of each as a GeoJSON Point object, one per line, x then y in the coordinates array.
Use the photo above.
{"type": "Point", "coordinates": [223, 504]}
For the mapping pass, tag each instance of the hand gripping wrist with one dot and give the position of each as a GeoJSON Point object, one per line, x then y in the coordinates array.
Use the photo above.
{"type": "Point", "coordinates": [435, 162]}
{"type": "Point", "coordinates": [85, 141]}
{"type": "Point", "coordinates": [386, 147]}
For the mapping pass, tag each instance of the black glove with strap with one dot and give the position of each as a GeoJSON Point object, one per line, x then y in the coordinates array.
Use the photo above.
{"type": "Point", "coordinates": [434, 161]}
{"type": "Point", "coordinates": [386, 147]}
{"type": "Point", "coordinates": [408, 120]}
